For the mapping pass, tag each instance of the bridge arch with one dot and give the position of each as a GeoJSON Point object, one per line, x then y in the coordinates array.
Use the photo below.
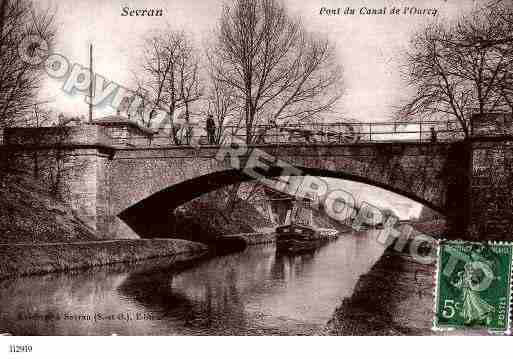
{"type": "Point", "coordinates": [151, 216]}
{"type": "Point", "coordinates": [146, 184]}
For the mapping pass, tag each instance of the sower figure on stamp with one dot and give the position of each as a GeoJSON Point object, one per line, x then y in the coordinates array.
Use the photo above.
{"type": "Point", "coordinates": [474, 309]}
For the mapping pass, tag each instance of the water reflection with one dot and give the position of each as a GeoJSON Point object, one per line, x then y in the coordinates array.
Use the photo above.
{"type": "Point", "coordinates": [253, 292]}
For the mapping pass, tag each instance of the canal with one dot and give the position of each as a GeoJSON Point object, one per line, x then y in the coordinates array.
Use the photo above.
{"type": "Point", "coordinates": [254, 292]}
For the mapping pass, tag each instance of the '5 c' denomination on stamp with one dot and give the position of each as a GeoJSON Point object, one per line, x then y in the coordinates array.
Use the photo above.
{"type": "Point", "coordinates": [473, 288]}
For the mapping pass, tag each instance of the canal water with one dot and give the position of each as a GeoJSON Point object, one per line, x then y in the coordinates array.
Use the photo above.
{"type": "Point", "coordinates": [253, 292]}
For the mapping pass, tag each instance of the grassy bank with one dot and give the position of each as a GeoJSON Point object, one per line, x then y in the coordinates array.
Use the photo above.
{"type": "Point", "coordinates": [16, 260]}
{"type": "Point", "coordinates": [254, 238]}
{"type": "Point", "coordinates": [394, 298]}
{"type": "Point", "coordinates": [212, 217]}
{"type": "Point", "coordinates": [40, 234]}
{"type": "Point", "coordinates": [29, 213]}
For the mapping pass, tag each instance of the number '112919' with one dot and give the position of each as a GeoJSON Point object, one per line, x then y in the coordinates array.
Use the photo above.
{"type": "Point", "coordinates": [20, 348]}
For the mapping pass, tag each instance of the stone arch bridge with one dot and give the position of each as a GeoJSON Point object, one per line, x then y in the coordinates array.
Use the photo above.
{"type": "Point", "coordinates": [127, 190]}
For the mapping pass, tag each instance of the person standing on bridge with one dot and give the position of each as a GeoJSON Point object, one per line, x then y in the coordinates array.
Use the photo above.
{"type": "Point", "coordinates": [262, 131]}
{"type": "Point", "coordinates": [211, 129]}
{"type": "Point", "coordinates": [433, 135]}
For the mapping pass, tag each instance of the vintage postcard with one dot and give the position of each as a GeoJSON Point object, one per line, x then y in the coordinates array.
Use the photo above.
{"type": "Point", "coordinates": [255, 168]}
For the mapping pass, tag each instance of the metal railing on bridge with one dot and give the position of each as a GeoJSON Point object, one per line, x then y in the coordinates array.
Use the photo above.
{"type": "Point", "coordinates": [323, 133]}
{"type": "Point", "coordinates": [346, 133]}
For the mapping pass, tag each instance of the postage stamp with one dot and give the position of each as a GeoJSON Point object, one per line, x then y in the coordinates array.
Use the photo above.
{"type": "Point", "coordinates": [473, 288]}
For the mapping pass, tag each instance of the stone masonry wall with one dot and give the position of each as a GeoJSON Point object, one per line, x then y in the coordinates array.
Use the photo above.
{"type": "Point", "coordinates": [74, 176]}
{"type": "Point", "coordinates": [40, 136]}
{"type": "Point", "coordinates": [492, 190]}
{"type": "Point", "coordinates": [71, 162]}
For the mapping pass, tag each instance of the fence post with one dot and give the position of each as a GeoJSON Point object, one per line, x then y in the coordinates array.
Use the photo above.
{"type": "Point", "coordinates": [370, 132]}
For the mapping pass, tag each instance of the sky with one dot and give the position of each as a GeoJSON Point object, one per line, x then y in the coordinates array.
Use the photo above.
{"type": "Point", "coordinates": [370, 48]}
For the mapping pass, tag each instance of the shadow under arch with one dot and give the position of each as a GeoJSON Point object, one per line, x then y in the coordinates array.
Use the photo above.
{"type": "Point", "coordinates": [151, 217]}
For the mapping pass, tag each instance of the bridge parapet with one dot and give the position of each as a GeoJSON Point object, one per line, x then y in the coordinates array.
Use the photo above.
{"type": "Point", "coordinates": [492, 125]}
{"type": "Point", "coordinates": [83, 135]}
{"type": "Point", "coordinates": [124, 132]}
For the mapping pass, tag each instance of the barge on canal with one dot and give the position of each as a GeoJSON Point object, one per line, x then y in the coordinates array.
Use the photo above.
{"type": "Point", "coordinates": [298, 234]}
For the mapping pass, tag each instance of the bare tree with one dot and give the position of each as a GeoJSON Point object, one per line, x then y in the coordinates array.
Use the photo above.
{"type": "Point", "coordinates": [47, 159]}
{"type": "Point", "coordinates": [221, 105]}
{"type": "Point", "coordinates": [190, 87]}
{"type": "Point", "coordinates": [462, 69]}
{"type": "Point", "coordinates": [169, 76]}
{"type": "Point", "coordinates": [503, 11]}
{"type": "Point", "coordinates": [40, 117]}
{"type": "Point", "coordinates": [19, 81]}
{"type": "Point", "coordinates": [278, 71]}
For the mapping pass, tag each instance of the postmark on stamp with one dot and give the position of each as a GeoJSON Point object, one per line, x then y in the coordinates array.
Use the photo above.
{"type": "Point", "coordinates": [473, 288]}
